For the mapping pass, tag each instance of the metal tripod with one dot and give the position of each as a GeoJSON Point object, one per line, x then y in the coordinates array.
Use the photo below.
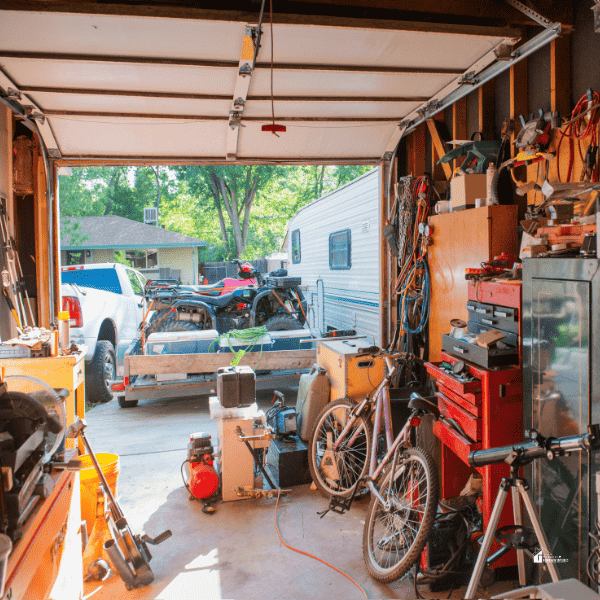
{"type": "Point", "coordinates": [518, 487]}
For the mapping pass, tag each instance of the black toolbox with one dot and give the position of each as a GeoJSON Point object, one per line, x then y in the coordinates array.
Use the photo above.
{"type": "Point", "coordinates": [484, 357]}
{"type": "Point", "coordinates": [283, 282]}
{"type": "Point", "coordinates": [287, 461]}
{"type": "Point", "coordinates": [502, 318]}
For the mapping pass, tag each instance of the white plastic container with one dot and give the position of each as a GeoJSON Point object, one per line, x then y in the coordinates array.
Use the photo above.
{"type": "Point", "coordinates": [182, 342]}
{"type": "Point", "coordinates": [263, 344]}
{"type": "Point", "coordinates": [290, 340]}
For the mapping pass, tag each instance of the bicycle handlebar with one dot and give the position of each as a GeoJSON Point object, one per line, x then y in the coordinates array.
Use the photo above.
{"type": "Point", "coordinates": [538, 447]}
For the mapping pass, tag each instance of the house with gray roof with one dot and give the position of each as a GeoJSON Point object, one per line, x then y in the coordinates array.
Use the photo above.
{"type": "Point", "coordinates": [156, 252]}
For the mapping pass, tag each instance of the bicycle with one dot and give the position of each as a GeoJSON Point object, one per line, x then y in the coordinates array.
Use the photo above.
{"type": "Point", "coordinates": [343, 454]}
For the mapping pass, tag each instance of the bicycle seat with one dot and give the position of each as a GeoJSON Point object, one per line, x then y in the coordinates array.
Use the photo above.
{"type": "Point", "coordinates": [419, 403]}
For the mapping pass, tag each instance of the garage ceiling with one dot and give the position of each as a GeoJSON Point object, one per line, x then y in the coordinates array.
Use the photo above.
{"type": "Point", "coordinates": [124, 87]}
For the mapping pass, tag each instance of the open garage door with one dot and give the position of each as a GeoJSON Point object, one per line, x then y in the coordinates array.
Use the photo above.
{"type": "Point", "coordinates": [108, 87]}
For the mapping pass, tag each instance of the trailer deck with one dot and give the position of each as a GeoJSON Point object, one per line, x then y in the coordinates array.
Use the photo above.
{"type": "Point", "coordinates": [147, 377]}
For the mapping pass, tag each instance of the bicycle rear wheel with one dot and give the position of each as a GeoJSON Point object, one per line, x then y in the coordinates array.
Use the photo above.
{"type": "Point", "coordinates": [337, 471]}
{"type": "Point", "coordinates": [393, 539]}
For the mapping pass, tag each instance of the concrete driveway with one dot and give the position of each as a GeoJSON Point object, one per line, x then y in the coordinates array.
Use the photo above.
{"type": "Point", "coordinates": [235, 552]}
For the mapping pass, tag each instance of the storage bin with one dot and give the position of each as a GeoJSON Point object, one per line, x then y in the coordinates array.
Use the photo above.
{"type": "Point", "coordinates": [182, 342]}
{"type": "Point", "coordinates": [263, 344]}
{"type": "Point", "coordinates": [290, 340]}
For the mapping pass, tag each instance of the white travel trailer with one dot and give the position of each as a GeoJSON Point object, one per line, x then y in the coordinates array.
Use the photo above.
{"type": "Point", "coordinates": [333, 244]}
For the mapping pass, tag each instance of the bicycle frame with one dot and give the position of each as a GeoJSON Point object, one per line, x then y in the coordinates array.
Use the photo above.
{"type": "Point", "coordinates": [382, 410]}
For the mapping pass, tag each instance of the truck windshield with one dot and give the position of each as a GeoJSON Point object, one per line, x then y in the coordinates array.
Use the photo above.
{"type": "Point", "coordinates": [99, 279]}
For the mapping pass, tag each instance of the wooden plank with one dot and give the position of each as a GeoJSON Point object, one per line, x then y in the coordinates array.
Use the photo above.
{"type": "Point", "coordinates": [460, 240]}
{"type": "Point", "coordinates": [384, 261]}
{"type": "Point", "coordinates": [438, 148]}
{"type": "Point", "coordinates": [209, 363]}
{"type": "Point", "coordinates": [41, 246]}
{"type": "Point", "coordinates": [417, 151]}
{"type": "Point", "coordinates": [459, 126]}
{"type": "Point", "coordinates": [487, 110]}
{"type": "Point", "coordinates": [560, 75]}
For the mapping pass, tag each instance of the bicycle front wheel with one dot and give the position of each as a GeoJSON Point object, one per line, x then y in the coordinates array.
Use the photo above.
{"type": "Point", "coordinates": [394, 538]}
{"type": "Point", "coordinates": [337, 470]}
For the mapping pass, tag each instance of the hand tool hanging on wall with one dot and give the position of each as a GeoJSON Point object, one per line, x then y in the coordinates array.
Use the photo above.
{"type": "Point", "coordinates": [533, 141]}
{"type": "Point", "coordinates": [479, 155]}
{"type": "Point", "coordinates": [13, 273]}
{"type": "Point", "coordinates": [127, 554]}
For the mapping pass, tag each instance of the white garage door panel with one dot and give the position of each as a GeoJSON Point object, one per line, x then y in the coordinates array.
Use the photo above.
{"type": "Point", "coordinates": [120, 35]}
{"type": "Point", "coordinates": [312, 140]}
{"type": "Point", "coordinates": [336, 83]}
{"type": "Point", "coordinates": [131, 104]}
{"type": "Point", "coordinates": [120, 137]}
{"type": "Point", "coordinates": [109, 76]}
{"type": "Point", "coordinates": [331, 109]}
{"type": "Point", "coordinates": [335, 45]}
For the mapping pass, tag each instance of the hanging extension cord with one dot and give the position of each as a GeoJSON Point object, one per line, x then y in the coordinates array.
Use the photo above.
{"type": "Point", "coordinates": [311, 555]}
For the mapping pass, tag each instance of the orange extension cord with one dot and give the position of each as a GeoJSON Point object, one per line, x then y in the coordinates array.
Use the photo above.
{"type": "Point", "coordinates": [575, 130]}
{"type": "Point", "coordinates": [311, 555]}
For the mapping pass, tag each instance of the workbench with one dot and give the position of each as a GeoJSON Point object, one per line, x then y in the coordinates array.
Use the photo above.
{"type": "Point", "coordinates": [58, 372]}
{"type": "Point", "coordinates": [45, 563]}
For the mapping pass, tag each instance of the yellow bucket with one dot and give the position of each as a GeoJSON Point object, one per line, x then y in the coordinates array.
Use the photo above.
{"type": "Point", "coordinates": [89, 482]}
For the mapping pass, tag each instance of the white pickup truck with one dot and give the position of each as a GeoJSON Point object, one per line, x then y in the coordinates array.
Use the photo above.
{"type": "Point", "coordinates": [106, 305]}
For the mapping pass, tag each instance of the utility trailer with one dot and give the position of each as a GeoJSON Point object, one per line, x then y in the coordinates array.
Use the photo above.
{"type": "Point", "coordinates": [155, 377]}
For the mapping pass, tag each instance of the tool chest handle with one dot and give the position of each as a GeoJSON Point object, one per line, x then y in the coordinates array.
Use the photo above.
{"type": "Point", "coordinates": [460, 350]}
{"type": "Point", "coordinates": [488, 321]}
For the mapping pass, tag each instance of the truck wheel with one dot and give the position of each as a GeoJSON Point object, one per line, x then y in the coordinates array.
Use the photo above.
{"type": "Point", "coordinates": [127, 403]}
{"type": "Point", "coordinates": [100, 372]}
{"type": "Point", "coordinates": [283, 323]}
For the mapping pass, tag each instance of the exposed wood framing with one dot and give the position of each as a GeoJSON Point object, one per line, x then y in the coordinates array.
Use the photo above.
{"type": "Point", "coordinates": [459, 126]}
{"type": "Point", "coordinates": [385, 309]}
{"type": "Point", "coordinates": [416, 151]}
{"type": "Point", "coordinates": [438, 149]}
{"type": "Point", "coordinates": [42, 228]}
{"type": "Point", "coordinates": [27, 89]}
{"type": "Point", "coordinates": [487, 110]}
{"type": "Point", "coordinates": [560, 75]}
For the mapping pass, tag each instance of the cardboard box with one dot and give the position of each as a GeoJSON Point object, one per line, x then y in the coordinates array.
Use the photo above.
{"type": "Point", "coordinates": [465, 189]}
{"type": "Point", "coordinates": [487, 338]}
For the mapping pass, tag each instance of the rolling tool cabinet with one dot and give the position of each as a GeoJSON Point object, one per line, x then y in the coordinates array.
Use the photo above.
{"type": "Point", "coordinates": [487, 404]}
{"type": "Point", "coordinates": [489, 409]}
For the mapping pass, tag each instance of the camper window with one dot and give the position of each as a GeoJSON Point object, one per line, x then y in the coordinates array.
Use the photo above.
{"type": "Point", "coordinates": [339, 250]}
{"type": "Point", "coordinates": [296, 246]}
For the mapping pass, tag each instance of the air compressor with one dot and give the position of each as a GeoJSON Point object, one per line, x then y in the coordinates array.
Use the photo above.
{"type": "Point", "coordinates": [203, 481]}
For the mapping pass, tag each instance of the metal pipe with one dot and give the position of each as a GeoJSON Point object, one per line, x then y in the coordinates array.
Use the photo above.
{"type": "Point", "coordinates": [118, 564]}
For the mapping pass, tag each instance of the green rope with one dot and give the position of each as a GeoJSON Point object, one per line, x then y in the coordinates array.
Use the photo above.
{"type": "Point", "coordinates": [250, 337]}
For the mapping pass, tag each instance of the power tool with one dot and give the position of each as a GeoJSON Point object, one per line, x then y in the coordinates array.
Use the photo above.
{"type": "Point", "coordinates": [281, 418]}
{"type": "Point", "coordinates": [479, 155]}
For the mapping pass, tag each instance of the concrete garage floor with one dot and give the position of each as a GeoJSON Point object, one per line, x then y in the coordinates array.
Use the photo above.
{"type": "Point", "coordinates": [234, 553]}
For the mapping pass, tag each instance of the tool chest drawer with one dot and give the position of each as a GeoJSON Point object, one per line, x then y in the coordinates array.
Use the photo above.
{"type": "Point", "coordinates": [511, 339]}
{"type": "Point", "coordinates": [497, 317]}
{"type": "Point", "coordinates": [484, 357]}
{"type": "Point", "coordinates": [455, 442]}
{"type": "Point", "coordinates": [470, 402]}
{"type": "Point", "coordinates": [471, 389]}
{"type": "Point", "coordinates": [470, 424]}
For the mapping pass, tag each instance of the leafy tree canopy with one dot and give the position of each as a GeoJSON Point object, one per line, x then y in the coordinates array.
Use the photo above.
{"type": "Point", "coordinates": [242, 211]}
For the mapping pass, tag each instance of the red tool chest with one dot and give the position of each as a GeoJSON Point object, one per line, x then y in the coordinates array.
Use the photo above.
{"type": "Point", "coordinates": [487, 408]}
